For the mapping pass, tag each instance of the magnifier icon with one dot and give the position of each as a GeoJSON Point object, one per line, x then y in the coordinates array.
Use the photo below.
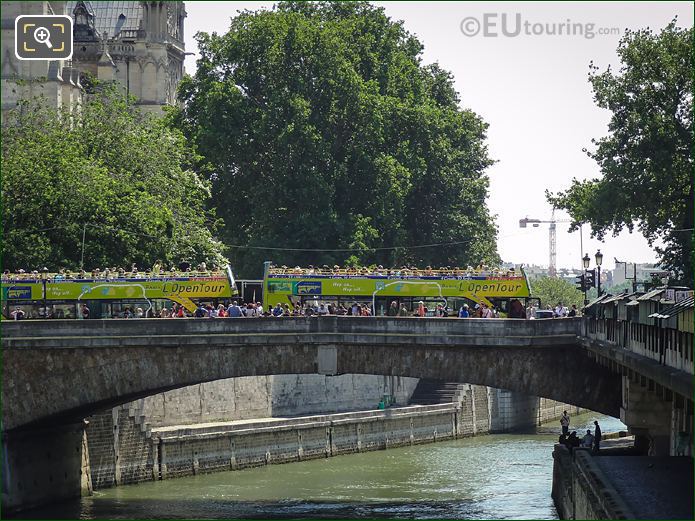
{"type": "Point", "coordinates": [42, 35]}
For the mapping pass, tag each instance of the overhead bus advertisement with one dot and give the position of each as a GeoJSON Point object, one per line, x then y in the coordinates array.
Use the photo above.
{"type": "Point", "coordinates": [377, 288]}
{"type": "Point", "coordinates": [109, 297]}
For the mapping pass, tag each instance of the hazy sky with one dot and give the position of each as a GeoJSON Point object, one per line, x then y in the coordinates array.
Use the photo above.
{"type": "Point", "coordinates": [531, 88]}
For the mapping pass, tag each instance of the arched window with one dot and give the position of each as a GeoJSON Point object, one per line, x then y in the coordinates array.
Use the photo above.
{"type": "Point", "coordinates": [81, 17]}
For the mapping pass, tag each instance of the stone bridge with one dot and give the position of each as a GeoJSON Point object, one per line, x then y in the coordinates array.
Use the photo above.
{"type": "Point", "coordinates": [56, 372]}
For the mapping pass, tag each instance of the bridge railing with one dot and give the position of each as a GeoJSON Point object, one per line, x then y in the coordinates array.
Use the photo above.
{"type": "Point", "coordinates": [667, 346]}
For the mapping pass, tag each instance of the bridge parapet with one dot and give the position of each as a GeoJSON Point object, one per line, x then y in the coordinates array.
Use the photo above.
{"type": "Point", "coordinates": [311, 329]}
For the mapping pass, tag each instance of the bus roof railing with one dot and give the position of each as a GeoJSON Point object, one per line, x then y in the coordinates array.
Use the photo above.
{"type": "Point", "coordinates": [110, 275]}
{"type": "Point", "coordinates": [394, 272]}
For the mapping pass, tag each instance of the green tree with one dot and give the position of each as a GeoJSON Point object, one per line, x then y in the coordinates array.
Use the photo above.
{"type": "Point", "coordinates": [646, 160]}
{"type": "Point", "coordinates": [322, 129]}
{"type": "Point", "coordinates": [107, 171]}
{"type": "Point", "coordinates": [552, 290]}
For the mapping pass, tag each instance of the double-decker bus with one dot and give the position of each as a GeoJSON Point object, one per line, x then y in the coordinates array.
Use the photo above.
{"type": "Point", "coordinates": [107, 295]}
{"type": "Point", "coordinates": [379, 287]}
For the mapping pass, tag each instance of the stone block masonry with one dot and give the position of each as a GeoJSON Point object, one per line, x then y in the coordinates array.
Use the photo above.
{"type": "Point", "coordinates": [276, 395]}
{"type": "Point", "coordinates": [190, 450]}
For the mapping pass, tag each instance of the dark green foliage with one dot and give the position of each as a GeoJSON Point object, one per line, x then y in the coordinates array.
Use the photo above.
{"type": "Point", "coordinates": [322, 129]}
{"type": "Point", "coordinates": [122, 174]}
{"type": "Point", "coordinates": [646, 160]}
{"type": "Point", "coordinates": [552, 290]}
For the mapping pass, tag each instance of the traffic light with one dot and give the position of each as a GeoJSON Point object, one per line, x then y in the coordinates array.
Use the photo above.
{"type": "Point", "coordinates": [580, 283]}
{"type": "Point", "coordinates": [589, 279]}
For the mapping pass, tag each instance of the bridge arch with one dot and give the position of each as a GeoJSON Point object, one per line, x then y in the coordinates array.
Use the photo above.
{"type": "Point", "coordinates": [64, 370]}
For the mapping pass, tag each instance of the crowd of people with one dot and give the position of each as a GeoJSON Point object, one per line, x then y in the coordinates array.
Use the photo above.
{"type": "Point", "coordinates": [308, 308]}
{"type": "Point", "coordinates": [255, 309]}
{"type": "Point", "coordinates": [183, 269]}
{"type": "Point", "coordinates": [403, 271]}
{"type": "Point", "coordinates": [571, 440]}
{"type": "Point", "coordinates": [559, 311]}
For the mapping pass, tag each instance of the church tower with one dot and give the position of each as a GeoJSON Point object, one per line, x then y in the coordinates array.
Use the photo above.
{"type": "Point", "coordinates": [160, 53]}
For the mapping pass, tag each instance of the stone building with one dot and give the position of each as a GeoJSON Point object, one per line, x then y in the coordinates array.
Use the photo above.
{"type": "Point", "coordinates": [137, 44]}
{"type": "Point", "coordinates": [56, 80]}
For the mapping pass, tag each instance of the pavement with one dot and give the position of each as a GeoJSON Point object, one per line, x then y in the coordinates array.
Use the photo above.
{"type": "Point", "coordinates": [653, 487]}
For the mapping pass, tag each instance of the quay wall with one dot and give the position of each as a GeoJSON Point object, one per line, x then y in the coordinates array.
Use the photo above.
{"type": "Point", "coordinates": [581, 490]}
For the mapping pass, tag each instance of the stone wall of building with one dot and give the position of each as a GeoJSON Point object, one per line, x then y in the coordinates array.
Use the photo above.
{"type": "Point", "coordinates": [52, 80]}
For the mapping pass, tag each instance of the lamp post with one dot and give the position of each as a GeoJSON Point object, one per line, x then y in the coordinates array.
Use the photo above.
{"type": "Point", "coordinates": [599, 259]}
{"type": "Point", "coordinates": [44, 279]}
{"type": "Point", "coordinates": [585, 262]}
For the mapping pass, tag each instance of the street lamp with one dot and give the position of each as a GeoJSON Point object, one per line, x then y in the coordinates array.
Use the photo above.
{"type": "Point", "coordinates": [599, 259]}
{"type": "Point", "coordinates": [585, 262]}
{"type": "Point", "coordinates": [44, 279]}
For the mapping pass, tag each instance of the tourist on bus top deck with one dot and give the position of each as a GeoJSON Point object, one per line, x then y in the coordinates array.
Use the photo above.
{"type": "Point", "coordinates": [403, 271]}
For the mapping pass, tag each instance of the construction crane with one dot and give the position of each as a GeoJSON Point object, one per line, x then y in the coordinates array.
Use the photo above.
{"type": "Point", "coordinates": [552, 238]}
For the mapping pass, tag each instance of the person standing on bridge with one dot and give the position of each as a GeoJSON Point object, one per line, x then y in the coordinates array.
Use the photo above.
{"type": "Point", "coordinates": [565, 423]}
{"type": "Point", "coordinates": [597, 436]}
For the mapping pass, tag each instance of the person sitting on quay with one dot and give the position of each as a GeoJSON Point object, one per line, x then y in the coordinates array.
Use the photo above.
{"type": "Point", "coordinates": [573, 441]}
{"type": "Point", "coordinates": [588, 439]}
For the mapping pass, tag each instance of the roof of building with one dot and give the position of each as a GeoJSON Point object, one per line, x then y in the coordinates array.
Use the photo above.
{"type": "Point", "coordinates": [112, 17]}
{"type": "Point", "coordinates": [596, 301]}
{"type": "Point", "coordinates": [675, 309]}
{"type": "Point", "coordinates": [652, 294]}
{"type": "Point", "coordinates": [614, 298]}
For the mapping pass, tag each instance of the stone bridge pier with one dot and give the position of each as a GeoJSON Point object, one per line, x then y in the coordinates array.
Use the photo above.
{"type": "Point", "coordinates": [44, 464]}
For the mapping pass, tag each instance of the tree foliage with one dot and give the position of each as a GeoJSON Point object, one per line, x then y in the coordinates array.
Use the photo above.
{"type": "Point", "coordinates": [552, 290]}
{"type": "Point", "coordinates": [106, 167]}
{"type": "Point", "coordinates": [322, 129]}
{"type": "Point", "coordinates": [646, 160]}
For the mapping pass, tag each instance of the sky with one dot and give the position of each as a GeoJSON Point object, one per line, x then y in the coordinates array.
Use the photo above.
{"type": "Point", "coordinates": [532, 90]}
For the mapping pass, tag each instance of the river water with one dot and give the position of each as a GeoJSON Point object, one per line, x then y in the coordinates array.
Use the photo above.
{"type": "Point", "coordinates": [499, 476]}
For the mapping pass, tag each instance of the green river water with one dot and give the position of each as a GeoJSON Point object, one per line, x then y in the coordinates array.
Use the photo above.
{"type": "Point", "coordinates": [499, 476]}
